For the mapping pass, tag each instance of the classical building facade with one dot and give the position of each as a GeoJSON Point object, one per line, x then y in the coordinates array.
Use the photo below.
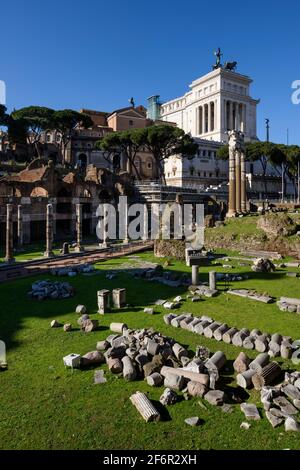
{"type": "Point", "coordinates": [216, 103]}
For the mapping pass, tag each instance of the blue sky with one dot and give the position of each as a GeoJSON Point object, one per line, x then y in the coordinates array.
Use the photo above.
{"type": "Point", "coordinates": [97, 54]}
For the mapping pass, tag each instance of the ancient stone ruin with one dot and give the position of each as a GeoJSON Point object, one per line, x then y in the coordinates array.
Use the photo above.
{"type": "Point", "coordinates": [42, 290]}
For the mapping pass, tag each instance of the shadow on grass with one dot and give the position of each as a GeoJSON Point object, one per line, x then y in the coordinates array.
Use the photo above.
{"type": "Point", "coordinates": [163, 411]}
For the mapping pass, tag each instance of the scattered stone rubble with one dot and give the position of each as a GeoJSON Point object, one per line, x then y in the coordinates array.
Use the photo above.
{"type": "Point", "coordinates": [229, 277]}
{"type": "Point", "coordinates": [252, 295]}
{"type": "Point", "coordinates": [274, 345]}
{"type": "Point", "coordinates": [288, 304]}
{"type": "Point", "coordinates": [73, 270]}
{"type": "Point", "coordinates": [160, 360]}
{"type": "Point", "coordinates": [263, 265]}
{"type": "Point", "coordinates": [42, 290]}
{"type": "Point", "coordinates": [155, 272]}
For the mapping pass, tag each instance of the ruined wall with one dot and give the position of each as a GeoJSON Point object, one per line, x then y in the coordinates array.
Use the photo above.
{"type": "Point", "coordinates": [170, 249]}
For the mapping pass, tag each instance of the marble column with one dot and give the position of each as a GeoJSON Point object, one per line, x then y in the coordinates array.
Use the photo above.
{"type": "Point", "coordinates": [195, 275]}
{"type": "Point", "coordinates": [49, 232]}
{"type": "Point", "coordinates": [20, 226]}
{"type": "Point", "coordinates": [238, 181]}
{"type": "Point", "coordinates": [79, 248]}
{"type": "Point", "coordinates": [105, 224]}
{"type": "Point", "coordinates": [9, 257]}
{"type": "Point", "coordinates": [209, 117]}
{"type": "Point", "coordinates": [126, 239]}
{"type": "Point", "coordinates": [232, 185]}
{"type": "Point", "coordinates": [212, 280]}
{"type": "Point", "coordinates": [200, 112]}
{"type": "Point", "coordinates": [145, 222]}
{"type": "Point", "coordinates": [243, 184]}
{"type": "Point", "coordinates": [244, 117]}
{"type": "Point", "coordinates": [230, 115]}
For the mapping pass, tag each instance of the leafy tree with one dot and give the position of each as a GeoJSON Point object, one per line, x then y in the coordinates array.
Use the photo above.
{"type": "Point", "coordinates": [3, 115]}
{"type": "Point", "coordinates": [35, 119]}
{"type": "Point", "coordinates": [124, 143]}
{"type": "Point", "coordinates": [165, 140]}
{"type": "Point", "coordinates": [294, 159]}
{"type": "Point", "coordinates": [66, 121]}
{"type": "Point", "coordinates": [223, 152]}
{"type": "Point", "coordinates": [161, 141]}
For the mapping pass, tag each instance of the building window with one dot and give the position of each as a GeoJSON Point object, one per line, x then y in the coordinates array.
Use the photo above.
{"type": "Point", "coordinates": [210, 175]}
{"type": "Point", "coordinates": [131, 122]}
{"type": "Point", "coordinates": [204, 174]}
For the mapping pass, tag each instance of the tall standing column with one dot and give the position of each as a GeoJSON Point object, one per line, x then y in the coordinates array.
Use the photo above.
{"type": "Point", "coordinates": [9, 258]}
{"type": "Point", "coordinates": [145, 222]}
{"type": "Point", "coordinates": [230, 116]}
{"type": "Point", "coordinates": [105, 223]}
{"type": "Point", "coordinates": [209, 117]}
{"type": "Point", "coordinates": [79, 248]}
{"type": "Point", "coordinates": [20, 226]}
{"type": "Point", "coordinates": [126, 239]}
{"type": "Point", "coordinates": [232, 198]}
{"type": "Point", "coordinates": [243, 184]}
{"type": "Point", "coordinates": [238, 181]}
{"type": "Point", "coordinates": [49, 232]}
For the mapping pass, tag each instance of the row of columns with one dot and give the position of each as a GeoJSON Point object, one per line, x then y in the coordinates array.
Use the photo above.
{"type": "Point", "coordinates": [9, 244]}
{"type": "Point", "coordinates": [206, 118]}
{"type": "Point", "coordinates": [234, 116]}
{"type": "Point", "coordinates": [237, 203]}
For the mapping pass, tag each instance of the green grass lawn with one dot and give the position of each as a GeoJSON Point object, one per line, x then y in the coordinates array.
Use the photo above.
{"type": "Point", "coordinates": [45, 406]}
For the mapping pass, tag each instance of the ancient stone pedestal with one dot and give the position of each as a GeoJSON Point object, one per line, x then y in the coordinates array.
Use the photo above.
{"type": "Point", "coordinates": [212, 280]}
{"type": "Point", "coordinates": [103, 301]}
{"type": "Point", "coordinates": [65, 248]}
{"type": "Point", "coordinates": [79, 248]}
{"type": "Point", "coordinates": [49, 232]}
{"type": "Point", "coordinates": [9, 258]}
{"type": "Point", "coordinates": [119, 298]}
{"type": "Point", "coordinates": [20, 226]}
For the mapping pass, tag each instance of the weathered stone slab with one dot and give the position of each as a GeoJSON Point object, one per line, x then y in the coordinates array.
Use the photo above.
{"type": "Point", "coordinates": [195, 389]}
{"type": "Point", "coordinates": [250, 295]}
{"type": "Point", "coordinates": [285, 405]}
{"type": "Point", "coordinates": [291, 425]}
{"type": "Point", "coordinates": [274, 420]}
{"type": "Point", "coordinates": [215, 397]}
{"type": "Point", "coordinates": [195, 421]}
{"type": "Point", "coordinates": [99, 377]}
{"type": "Point", "coordinates": [169, 397]}
{"type": "Point", "coordinates": [250, 411]}
{"type": "Point", "coordinates": [291, 392]}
